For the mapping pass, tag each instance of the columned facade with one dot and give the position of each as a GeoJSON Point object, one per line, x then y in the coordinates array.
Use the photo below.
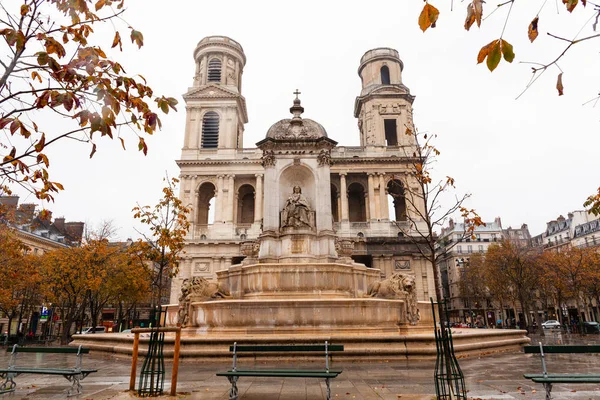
{"type": "Point", "coordinates": [348, 188]}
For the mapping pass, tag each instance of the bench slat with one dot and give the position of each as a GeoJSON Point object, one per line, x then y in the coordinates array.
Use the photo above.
{"type": "Point", "coordinates": [532, 376]}
{"type": "Point", "coordinates": [563, 349]}
{"type": "Point", "coordinates": [287, 348]}
{"type": "Point", "coordinates": [567, 380]}
{"type": "Point", "coordinates": [283, 370]}
{"type": "Point", "coordinates": [54, 350]}
{"type": "Point", "coordinates": [280, 375]}
{"type": "Point", "coordinates": [47, 371]}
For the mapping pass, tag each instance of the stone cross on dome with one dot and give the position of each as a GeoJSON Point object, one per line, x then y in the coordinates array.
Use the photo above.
{"type": "Point", "coordinates": [297, 110]}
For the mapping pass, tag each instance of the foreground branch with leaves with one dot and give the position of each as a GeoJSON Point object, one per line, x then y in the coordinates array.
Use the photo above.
{"type": "Point", "coordinates": [162, 248]}
{"type": "Point", "coordinates": [58, 83]}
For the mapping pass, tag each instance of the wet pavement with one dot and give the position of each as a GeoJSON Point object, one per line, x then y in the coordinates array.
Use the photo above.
{"type": "Point", "coordinates": [496, 376]}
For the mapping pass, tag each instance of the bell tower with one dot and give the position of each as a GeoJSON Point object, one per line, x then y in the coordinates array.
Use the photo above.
{"type": "Point", "coordinates": [384, 107]}
{"type": "Point", "coordinates": [216, 110]}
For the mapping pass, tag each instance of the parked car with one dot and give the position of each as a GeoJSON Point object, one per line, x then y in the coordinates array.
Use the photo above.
{"type": "Point", "coordinates": [551, 324]}
{"type": "Point", "coordinates": [591, 327]}
{"type": "Point", "coordinates": [89, 329]}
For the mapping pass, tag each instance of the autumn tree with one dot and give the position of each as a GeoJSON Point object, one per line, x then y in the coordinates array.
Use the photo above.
{"type": "Point", "coordinates": [430, 203]}
{"type": "Point", "coordinates": [592, 284]}
{"type": "Point", "coordinates": [132, 285]}
{"type": "Point", "coordinates": [67, 281]}
{"type": "Point", "coordinates": [512, 267]}
{"type": "Point", "coordinates": [162, 247]}
{"type": "Point", "coordinates": [58, 83]}
{"type": "Point", "coordinates": [472, 284]}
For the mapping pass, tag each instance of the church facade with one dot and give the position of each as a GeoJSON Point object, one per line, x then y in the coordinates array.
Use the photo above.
{"type": "Point", "coordinates": [348, 201]}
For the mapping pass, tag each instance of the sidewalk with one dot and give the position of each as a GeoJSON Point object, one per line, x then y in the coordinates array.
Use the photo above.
{"type": "Point", "coordinates": [496, 376]}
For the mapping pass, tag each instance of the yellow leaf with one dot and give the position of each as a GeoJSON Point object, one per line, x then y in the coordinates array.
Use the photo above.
{"type": "Point", "coordinates": [571, 4]}
{"type": "Point", "coordinates": [24, 10]}
{"type": "Point", "coordinates": [470, 16]}
{"type": "Point", "coordinates": [559, 84]}
{"type": "Point", "coordinates": [507, 51]}
{"type": "Point", "coordinates": [494, 56]}
{"type": "Point", "coordinates": [484, 52]}
{"type": "Point", "coordinates": [532, 33]}
{"type": "Point", "coordinates": [428, 17]}
{"type": "Point", "coordinates": [100, 4]}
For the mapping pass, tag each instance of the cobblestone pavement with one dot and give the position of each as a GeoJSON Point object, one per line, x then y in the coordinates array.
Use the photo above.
{"type": "Point", "coordinates": [497, 376]}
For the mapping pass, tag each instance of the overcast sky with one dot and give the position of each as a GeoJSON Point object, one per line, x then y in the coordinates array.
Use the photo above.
{"type": "Point", "coordinates": [525, 160]}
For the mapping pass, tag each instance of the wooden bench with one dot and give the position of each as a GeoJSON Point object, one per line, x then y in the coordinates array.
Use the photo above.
{"type": "Point", "coordinates": [235, 373]}
{"type": "Point", "coordinates": [74, 375]}
{"type": "Point", "coordinates": [548, 379]}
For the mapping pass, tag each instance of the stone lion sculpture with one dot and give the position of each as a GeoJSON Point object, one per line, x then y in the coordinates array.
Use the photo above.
{"type": "Point", "coordinates": [398, 286]}
{"type": "Point", "coordinates": [197, 289]}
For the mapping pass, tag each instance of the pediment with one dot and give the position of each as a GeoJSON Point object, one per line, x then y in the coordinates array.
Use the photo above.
{"type": "Point", "coordinates": [211, 91]}
{"type": "Point", "coordinates": [391, 90]}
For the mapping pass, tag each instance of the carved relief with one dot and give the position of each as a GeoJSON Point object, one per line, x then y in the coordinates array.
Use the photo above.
{"type": "Point", "coordinates": [344, 249]}
{"type": "Point", "coordinates": [389, 109]}
{"type": "Point", "coordinates": [250, 248]}
{"type": "Point", "coordinates": [268, 158]}
{"type": "Point", "coordinates": [201, 268]}
{"type": "Point", "coordinates": [398, 286]}
{"type": "Point", "coordinates": [402, 265]}
{"type": "Point", "coordinates": [324, 158]}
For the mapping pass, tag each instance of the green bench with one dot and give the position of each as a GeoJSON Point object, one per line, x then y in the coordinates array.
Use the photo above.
{"type": "Point", "coordinates": [326, 373]}
{"type": "Point", "coordinates": [548, 379]}
{"type": "Point", "coordinates": [74, 375]}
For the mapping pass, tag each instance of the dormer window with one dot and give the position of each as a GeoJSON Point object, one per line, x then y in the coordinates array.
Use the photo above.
{"type": "Point", "coordinates": [214, 70]}
{"type": "Point", "coordinates": [385, 75]}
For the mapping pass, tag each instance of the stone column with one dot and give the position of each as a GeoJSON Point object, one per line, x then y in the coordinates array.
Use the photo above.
{"type": "Point", "coordinates": [224, 71]}
{"type": "Point", "coordinates": [344, 197]}
{"type": "Point", "coordinates": [258, 199]}
{"type": "Point", "coordinates": [385, 212]}
{"type": "Point", "coordinates": [372, 214]}
{"type": "Point", "coordinates": [230, 188]}
{"type": "Point", "coordinates": [367, 208]}
{"type": "Point", "coordinates": [219, 200]}
{"type": "Point", "coordinates": [194, 201]}
{"type": "Point", "coordinates": [205, 70]}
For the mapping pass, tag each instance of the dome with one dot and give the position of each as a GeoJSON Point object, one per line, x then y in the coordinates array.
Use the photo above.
{"type": "Point", "coordinates": [380, 53]}
{"type": "Point", "coordinates": [296, 127]}
{"type": "Point", "coordinates": [220, 44]}
{"type": "Point", "coordinates": [285, 129]}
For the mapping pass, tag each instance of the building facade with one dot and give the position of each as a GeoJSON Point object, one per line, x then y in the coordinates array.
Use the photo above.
{"type": "Point", "coordinates": [456, 248]}
{"type": "Point", "coordinates": [562, 233]}
{"type": "Point", "coordinates": [358, 191]}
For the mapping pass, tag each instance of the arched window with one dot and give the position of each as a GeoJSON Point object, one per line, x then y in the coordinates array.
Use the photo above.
{"type": "Point", "coordinates": [206, 201]}
{"type": "Point", "coordinates": [397, 200]}
{"type": "Point", "coordinates": [214, 70]}
{"type": "Point", "coordinates": [334, 204]}
{"type": "Point", "coordinates": [385, 75]}
{"type": "Point", "coordinates": [210, 130]}
{"type": "Point", "coordinates": [356, 203]}
{"type": "Point", "coordinates": [245, 207]}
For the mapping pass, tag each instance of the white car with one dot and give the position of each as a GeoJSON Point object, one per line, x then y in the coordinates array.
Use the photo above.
{"type": "Point", "coordinates": [551, 324]}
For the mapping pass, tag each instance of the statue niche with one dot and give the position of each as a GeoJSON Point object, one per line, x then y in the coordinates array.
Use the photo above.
{"type": "Point", "coordinates": [297, 212]}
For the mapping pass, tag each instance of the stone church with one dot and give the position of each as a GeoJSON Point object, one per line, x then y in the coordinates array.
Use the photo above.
{"type": "Point", "coordinates": [298, 192]}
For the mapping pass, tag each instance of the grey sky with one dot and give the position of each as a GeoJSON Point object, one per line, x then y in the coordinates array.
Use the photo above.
{"type": "Point", "coordinates": [525, 160]}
